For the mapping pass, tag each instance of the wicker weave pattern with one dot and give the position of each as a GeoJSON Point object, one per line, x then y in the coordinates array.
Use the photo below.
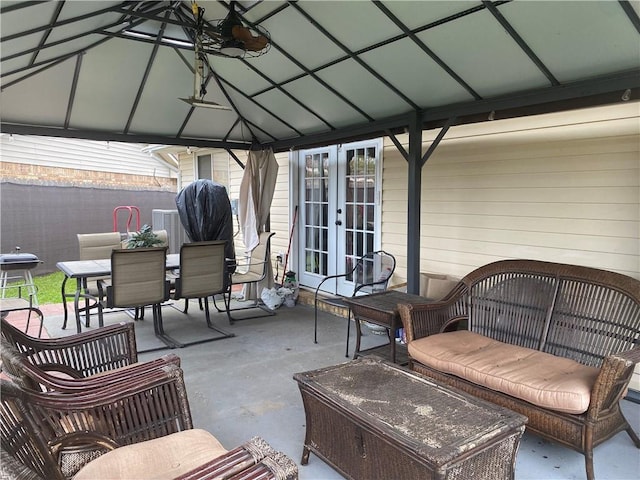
{"type": "Point", "coordinates": [488, 463]}
{"type": "Point", "coordinates": [277, 467]}
{"type": "Point", "coordinates": [11, 469]}
{"type": "Point", "coordinates": [589, 315]}
{"type": "Point", "coordinates": [17, 437]}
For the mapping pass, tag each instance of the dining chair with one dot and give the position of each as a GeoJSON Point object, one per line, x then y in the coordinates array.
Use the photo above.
{"type": "Point", "coordinates": [252, 271]}
{"type": "Point", "coordinates": [138, 280]}
{"type": "Point", "coordinates": [203, 273]}
{"type": "Point", "coordinates": [369, 274]}
{"type": "Point", "coordinates": [161, 240]}
{"type": "Point", "coordinates": [93, 246]}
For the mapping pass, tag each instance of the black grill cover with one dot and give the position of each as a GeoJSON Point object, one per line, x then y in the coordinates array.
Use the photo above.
{"type": "Point", "coordinates": [205, 214]}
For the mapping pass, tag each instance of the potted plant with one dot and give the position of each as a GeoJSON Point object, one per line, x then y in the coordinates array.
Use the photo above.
{"type": "Point", "coordinates": [144, 238]}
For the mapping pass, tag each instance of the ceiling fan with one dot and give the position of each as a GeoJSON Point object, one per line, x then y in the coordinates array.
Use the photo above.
{"type": "Point", "coordinates": [229, 37]}
{"type": "Point", "coordinates": [238, 39]}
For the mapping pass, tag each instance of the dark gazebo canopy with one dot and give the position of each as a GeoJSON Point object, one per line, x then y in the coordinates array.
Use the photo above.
{"type": "Point", "coordinates": [331, 70]}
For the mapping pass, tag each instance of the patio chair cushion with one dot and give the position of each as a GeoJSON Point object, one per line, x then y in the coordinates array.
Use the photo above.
{"type": "Point", "coordinates": [540, 378]}
{"type": "Point", "coordinates": [160, 458]}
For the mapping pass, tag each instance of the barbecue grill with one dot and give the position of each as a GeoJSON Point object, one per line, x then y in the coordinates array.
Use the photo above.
{"type": "Point", "coordinates": [17, 265]}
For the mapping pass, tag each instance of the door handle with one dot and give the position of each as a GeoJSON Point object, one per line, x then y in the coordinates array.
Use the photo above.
{"type": "Point", "coordinates": [338, 222]}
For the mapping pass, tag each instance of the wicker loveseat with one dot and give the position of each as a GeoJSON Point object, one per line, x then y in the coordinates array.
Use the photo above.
{"type": "Point", "coordinates": [557, 343]}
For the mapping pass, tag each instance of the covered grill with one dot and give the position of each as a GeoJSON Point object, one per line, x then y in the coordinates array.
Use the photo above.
{"type": "Point", "coordinates": [205, 213]}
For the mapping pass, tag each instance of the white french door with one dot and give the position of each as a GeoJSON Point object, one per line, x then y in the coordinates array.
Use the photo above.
{"type": "Point", "coordinates": [339, 214]}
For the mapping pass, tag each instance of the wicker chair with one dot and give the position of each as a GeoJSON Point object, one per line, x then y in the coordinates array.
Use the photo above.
{"type": "Point", "coordinates": [192, 455]}
{"type": "Point", "coordinates": [370, 273]}
{"type": "Point", "coordinates": [55, 434]}
{"type": "Point", "coordinates": [80, 355]}
{"type": "Point", "coordinates": [34, 377]}
{"type": "Point", "coordinates": [203, 273]}
{"type": "Point", "coordinates": [48, 436]}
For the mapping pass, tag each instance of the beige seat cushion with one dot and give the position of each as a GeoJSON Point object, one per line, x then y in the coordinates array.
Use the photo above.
{"type": "Point", "coordinates": [161, 458]}
{"type": "Point", "coordinates": [545, 380]}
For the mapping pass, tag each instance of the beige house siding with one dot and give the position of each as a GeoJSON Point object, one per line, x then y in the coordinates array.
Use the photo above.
{"type": "Point", "coordinates": [560, 193]}
{"type": "Point", "coordinates": [51, 161]}
{"type": "Point", "coordinates": [78, 155]}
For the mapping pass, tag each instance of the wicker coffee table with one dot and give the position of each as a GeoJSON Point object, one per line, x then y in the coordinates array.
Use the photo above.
{"type": "Point", "coordinates": [370, 419]}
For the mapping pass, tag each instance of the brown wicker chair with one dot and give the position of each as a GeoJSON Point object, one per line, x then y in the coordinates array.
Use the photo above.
{"type": "Point", "coordinates": [35, 378]}
{"type": "Point", "coordinates": [38, 444]}
{"type": "Point", "coordinates": [55, 434]}
{"type": "Point", "coordinates": [177, 456]}
{"type": "Point", "coordinates": [81, 355]}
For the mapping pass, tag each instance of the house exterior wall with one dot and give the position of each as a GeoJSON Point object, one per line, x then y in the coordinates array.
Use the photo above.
{"type": "Point", "coordinates": [562, 187]}
{"type": "Point", "coordinates": [83, 156]}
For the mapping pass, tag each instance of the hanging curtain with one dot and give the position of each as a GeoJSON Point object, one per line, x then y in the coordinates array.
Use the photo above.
{"type": "Point", "coordinates": [256, 193]}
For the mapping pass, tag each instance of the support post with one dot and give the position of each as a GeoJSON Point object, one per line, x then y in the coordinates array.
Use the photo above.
{"type": "Point", "coordinates": [413, 202]}
{"type": "Point", "coordinates": [416, 162]}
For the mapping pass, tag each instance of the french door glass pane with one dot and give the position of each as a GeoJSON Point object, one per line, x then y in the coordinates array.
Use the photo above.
{"type": "Point", "coordinates": [360, 204]}
{"type": "Point", "coordinates": [316, 212]}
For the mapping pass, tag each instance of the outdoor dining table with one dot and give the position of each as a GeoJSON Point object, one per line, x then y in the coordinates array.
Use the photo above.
{"type": "Point", "coordinates": [83, 270]}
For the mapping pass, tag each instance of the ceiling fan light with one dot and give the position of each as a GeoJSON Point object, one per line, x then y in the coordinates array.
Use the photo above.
{"type": "Point", "coordinates": [232, 48]}
{"type": "Point", "coordinates": [198, 102]}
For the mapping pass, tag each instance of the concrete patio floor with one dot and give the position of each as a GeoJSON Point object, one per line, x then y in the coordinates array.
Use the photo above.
{"type": "Point", "coordinates": [242, 386]}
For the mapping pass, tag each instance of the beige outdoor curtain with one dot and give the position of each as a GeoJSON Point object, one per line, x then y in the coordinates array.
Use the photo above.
{"type": "Point", "coordinates": [256, 193]}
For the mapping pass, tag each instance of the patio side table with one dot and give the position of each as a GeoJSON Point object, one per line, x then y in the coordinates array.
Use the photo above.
{"type": "Point", "coordinates": [382, 309]}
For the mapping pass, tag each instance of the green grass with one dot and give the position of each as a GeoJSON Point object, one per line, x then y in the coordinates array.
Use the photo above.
{"type": "Point", "coordinates": [49, 287]}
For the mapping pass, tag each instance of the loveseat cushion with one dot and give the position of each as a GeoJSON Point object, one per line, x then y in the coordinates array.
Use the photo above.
{"type": "Point", "coordinates": [543, 379]}
{"type": "Point", "coordinates": [165, 457]}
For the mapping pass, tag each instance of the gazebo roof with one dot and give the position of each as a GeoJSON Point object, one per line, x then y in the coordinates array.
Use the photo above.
{"type": "Point", "coordinates": [334, 70]}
